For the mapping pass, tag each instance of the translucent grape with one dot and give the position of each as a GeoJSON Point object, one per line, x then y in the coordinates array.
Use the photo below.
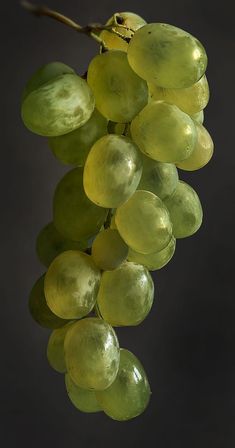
{"type": "Point", "coordinates": [74, 215]}
{"type": "Point", "coordinates": [126, 295]}
{"type": "Point", "coordinates": [202, 152]}
{"type": "Point", "coordinates": [39, 309]}
{"type": "Point", "coordinates": [156, 260]}
{"type": "Point", "coordinates": [71, 284]}
{"type": "Point", "coordinates": [190, 100]}
{"type": "Point", "coordinates": [83, 399]}
{"type": "Point", "coordinates": [128, 19]}
{"type": "Point", "coordinates": [109, 250]}
{"type": "Point", "coordinates": [163, 132]}
{"type": "Point", "coordinates": [144, 222]}
{"type": "Point", "coordinates": [129, 395]}
{"type": "Point", "coordinates": [112, 171]}
{"type": "Point", "coordinates": [158, 177]}
{"type": "Point", "coordinates": [167, 56]}
{"type": "Point", "coordinates": [59, 106]}
{"type": "Point", "coordinates": [92, 354]}
{"type": "Point", "coordinates": [185, 210]}
{"type": "Point", "coordinates": [73, 148]}
{"type": "Point", "coordinates": [55, 348]}
{"type": "Point", "coordinates": [51, 243]}
{"type": "Point", "coordinates": [119, 93]}
{"type": "Point", "coordinates": [199, 117]}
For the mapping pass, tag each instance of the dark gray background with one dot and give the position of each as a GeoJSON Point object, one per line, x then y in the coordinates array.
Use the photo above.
{"type": "Point", "coordinates": [187, 342]}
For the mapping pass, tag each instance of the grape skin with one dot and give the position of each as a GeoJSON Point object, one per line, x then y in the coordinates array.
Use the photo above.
{"type": "Point", "coordinates": [156, 260]}
{"type": "Point", "coordinates": [130, 20]}
{"type": "Point", "coordinates": [55, 348]}
{"type": "Point", "coordinates": [84, 400]}
{"type": "Point", "coordinates": [108, 250]}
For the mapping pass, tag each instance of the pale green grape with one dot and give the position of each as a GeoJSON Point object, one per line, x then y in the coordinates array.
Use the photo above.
{"type": "Point", "coordinates": [108, 250]}
{"type": "Point", "coordinates": [83, 399]}
{"type": "Point", "coordinates": [129, 395]}
{"type": "Point", "coordinates": [199, 117]}
{"type": "Point", "coordinates": [144, 222]}
{"type": "Point", "coordinates": [73, 148]}
{"type": "Point", "coordinates": [163, 132]}
{"type": "Point", "coordinates": [158, 177]}
{"type": "Point", "coordinates": [131, 21]}
{"type": "Point", "coordinates": [112, 171]}
{"type": "Point", "coordinates": [119, 93]}
{"type": "Point", "coordinates": [113, 223]}
{"type": "Point", "coordinates": [51, 243]}
{"type": "Point", "coordinates": [92, 354]}
{"type": "Point", "coordinates": [167, 56]}
{"type": "Point", "coordinates": [44, 74]}
{"type": "Point", "coordinates": [74, 215]}
{"type": "Point", "coordinates": [39, 309]}
{"type": "Point", "coordinates": [116, 128]}
{"type": "Point", "coordinates": [185, 210]}
{"type": "Point", "coordinates": [202, 152]}
{"type": "Point", "coordinates": [71, 284]}
{"type": "Point", "coordinates": [190, 100]}
{"type": "Point", "coordinates": [55, 348]}
{"type": "Point", "coordinates": [59, 106]}
{"type": "Point", "coordinates": [156, 260]}
{"type": "Point", "coordinates": [126, 295]}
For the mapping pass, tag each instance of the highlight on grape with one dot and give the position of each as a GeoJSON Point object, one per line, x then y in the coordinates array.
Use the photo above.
{"type": "Point", "coordinates": [124, 128]}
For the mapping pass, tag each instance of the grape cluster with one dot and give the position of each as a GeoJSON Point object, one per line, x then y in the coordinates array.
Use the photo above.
{"type": "Point", "coordinates": [125, 128]}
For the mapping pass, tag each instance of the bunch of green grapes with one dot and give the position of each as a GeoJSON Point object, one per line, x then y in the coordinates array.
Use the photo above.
{"type": "Point", "coordinates": [124, 129]}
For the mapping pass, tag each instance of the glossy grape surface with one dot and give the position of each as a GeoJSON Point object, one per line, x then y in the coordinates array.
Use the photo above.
{"type": "Point", "coordinates": [202, 152]}
{"type": "Point", "coordinates": [158, 177]}
{"type": "Point", "coordinates": [55, 348]}
{"type": "Point", "coordinates": [108, 250]}
{"type": "Point", "coordinates": [83, 399]}
{"type": "Point", "coordinates": [156, 260]}
{"type": "Point", "coordinates": [199, 117]}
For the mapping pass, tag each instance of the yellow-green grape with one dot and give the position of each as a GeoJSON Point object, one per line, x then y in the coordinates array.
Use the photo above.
{"type": "Point", "coordinates": [55, 348]}
{"type": "Point", "coordinates": [163, 132]}
{"type": "Point", "coordinates": [73, 148]}
{"type": "Point", "coordinates": [202, 152]}
{"type": "Point", "coordinates": [92, 353]}
{"type": "Point", "coordinates": [119, 93]}
{"type": "Point", "coordinates": [131, 21]}
{"type": "Point", "coordinates": [39, 309]}
{"type": "Point", "coordinates": [108, 250]}
{"type": "Point", "coordinates": [185, 210]}
{"type": "Point", "coordinates": [51, 243]}
{"type": "Point", "coordinates": [144, 222]}
{"type": "Point", "coordinates": [167, 56]}
{"type": "Point", "coordinates": [116, 128]}
{"type": "Point", "coordinates": [113, 223]}
{"type": "Point", "coordinates": [156, 260]}
{"type": "Point", "coordinates": [44, 74]}
{"type": "Point", "coordinates": [59, 106]}
{"type": "Point", "coordinates": [199, 117]}
{"type": "Point", "coordinates": [83, 399]}
{"type": "Point", "coordinates": [158, 177]}
{"type": "Point", "coordinates": [129, 395]}
{"type": "Point", "coordinates": [74, 215]}
{"type": "Point", "coordinates": [112, 171]}
{"type": "Point", "coordinates": [190, 100]}
{"type": "Point", "coordinates": [71, 284]}
{"type": "Point", "coordinates": [126, 295]}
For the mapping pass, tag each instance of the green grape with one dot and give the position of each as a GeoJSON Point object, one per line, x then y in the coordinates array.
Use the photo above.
{"type": "Point", "coordinates": [144, 222]}
{"type": "Point", "coordinates": [44, 74]}
{"type": "Point", "coordinates": [158, 177]}
{"type": "Point", "coordinates": [73, 148]}
{"type": "Point", "coordinates": [156, 260]}
{"type": "Point", "coordinates": [71, 284]}
{"type": "Point", "coordinates": [190, 100]}
{"type": "Point", "coordinates": [39, 309]}
{"type": "Point", "coordinates": [74, 215]}
{"type": "Point", "coordinates": [112, 171]}
{"type": "Point", "coordinates": [129, 395]}
{"type": "Point", "coordinates": [55, 348]}
{"type": "Point", "coordinates": [163, 132]}
{"type": "Point", "coordinates": [126, 295]}
{"type": "Point", "coordinates": [59, 106]}
{"type": "Point", "coordinates": [185, 210]}
{"type": "Point", "coordinates": [92, 354]}
{"type": "Point", "coordinates": [199, 117]}
{"type": "Point", "coordinates": [50, 244]}
{"type": "Point", "coordinates": [202, 152]}
{"type": "Point", "coordinates": [83, 399]}
{"type": "Point", "coordinates": [119, 93]}
{"type": "Point", "coordinates": [113, 223]}
{"type": "Point", "coordinates": [116, 128]}
{"type": "Point", "coordinates": [167, 56]}
{"type": "Point", "coordinates": [131, 21]}
{"type": "Point", "coordinates": [109, 250]}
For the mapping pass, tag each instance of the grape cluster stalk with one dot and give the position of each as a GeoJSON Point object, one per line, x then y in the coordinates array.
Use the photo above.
{"type": "Point", "coordinates": [125, 129]}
